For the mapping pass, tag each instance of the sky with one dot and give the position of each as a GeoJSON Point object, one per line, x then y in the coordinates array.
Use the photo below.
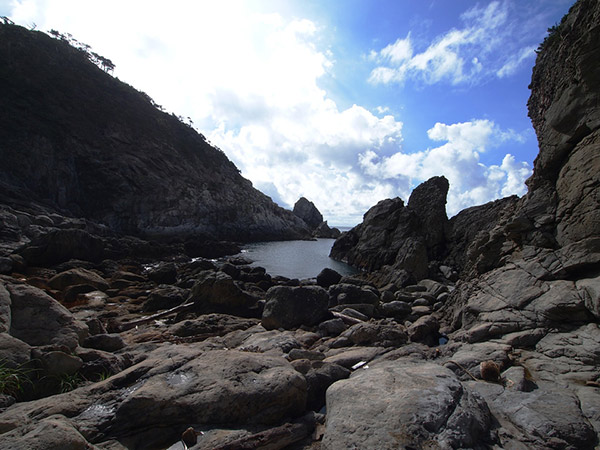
{"type": "Point", "coordinates": [344, 102]}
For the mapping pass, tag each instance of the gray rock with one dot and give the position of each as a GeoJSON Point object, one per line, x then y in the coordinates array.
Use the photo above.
{"type": "Point", "coordinates": [174, 386]}
{"type": "Point", "coordinates": [38, 319]}
{"type": "Point", "coordinates": [424, 329]}
{"type": "Point", "coordinates": [13, 352]}
{"type": "Point", "coordinates": [308, 212]}
{"type": "Point", "coordinates": [211, 325]}
{"type": "Point", "coordinates": [396, 309]}
{"type": "Point", "coordinates": [384, 333]}
{"type": "Point", "coordinates": [402, 404]}
{"type": "Point", "coordinates": [290, 307]}
{"type": "Point", "coordinates": [328, 277]}
{"type": "Point", "coordinates": [348, 357]}
{"type": "Point", "coordinates": [5, 314]}
{"type": "Point", "coordinates": [163, 273]}
{"type": "Point", "coordinates": [78, 276]}
{"type": "Point", "coordinates": [217, 292]}
{"type": "Point", "coordinates": [332, 327]}
{"type": "Point", "coordinates": [348, 294]}
{"type": "Point", "coordinates": [6, 265]}
{"type": "Point", "coordinates": [52, 433]}
{"type": "Point", "coordinates": [106, 342]}
{"type": "Point", "coordinates": [165, 297]}
{"type": "Point", "coordinates": [56, 363]}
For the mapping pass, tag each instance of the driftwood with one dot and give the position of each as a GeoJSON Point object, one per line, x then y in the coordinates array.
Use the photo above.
{"type": "Point", "coordinates": [347, 319]}
{"type": "Point", "coordinates": [274, 438]}
{"type": "Point", "coordinates": [143, 320]}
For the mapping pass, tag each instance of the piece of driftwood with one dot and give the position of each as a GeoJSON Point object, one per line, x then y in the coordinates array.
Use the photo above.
{"type": "Point", "coordinates": [273, 438]}
{"type": "Point", "coordinates": [347, 319]}
{"type": "Point", "coordinates": [143, 320]}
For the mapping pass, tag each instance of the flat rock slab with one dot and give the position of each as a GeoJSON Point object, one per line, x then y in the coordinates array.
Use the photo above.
{"type": "Point", "coordinates": [175, 386]}
{"type": "Point", "coordinates": [404, 404]}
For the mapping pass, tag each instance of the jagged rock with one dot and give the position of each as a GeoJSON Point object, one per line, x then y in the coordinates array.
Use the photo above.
{"type": "Point", "coordinates": [308, 212]}
{"type": "Point", "coordinates": [406, 238]}
{"type": "Point", "coordinates": [38, 319]}
{"type": "Point", "coordinates": [290, 307]}
{"type": "Point", "coordinates": [405, 404]}
{"type": "Point", "coordinates": [58, 363]}
{"type": "Point", "coordinates": [325, 232]}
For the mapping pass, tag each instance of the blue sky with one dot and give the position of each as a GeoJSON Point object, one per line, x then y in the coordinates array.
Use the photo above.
{"type": "Point", "coordinates": [343, 102]}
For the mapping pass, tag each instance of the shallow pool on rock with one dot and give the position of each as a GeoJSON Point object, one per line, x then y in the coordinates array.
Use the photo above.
{"type": "Point", "coordinates": [295, 259]}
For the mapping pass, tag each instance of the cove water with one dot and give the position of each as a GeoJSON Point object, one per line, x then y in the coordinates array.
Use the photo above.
{"type": "Point", "coordinates": [295, 259]}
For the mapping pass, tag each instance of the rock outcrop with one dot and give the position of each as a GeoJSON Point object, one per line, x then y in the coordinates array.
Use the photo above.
{"type": "Point", "coordinates": [308, 212]}
{"type": "Point", "coordinates": [82, 143]}
{"type": "Point", "coordinates": [500, 351]}
{"type": "Point", "coordinates": [406, 238]}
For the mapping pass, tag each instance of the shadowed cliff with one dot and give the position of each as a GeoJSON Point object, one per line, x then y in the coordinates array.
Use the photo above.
{"type": "Point", "coordinates": [82, 143]}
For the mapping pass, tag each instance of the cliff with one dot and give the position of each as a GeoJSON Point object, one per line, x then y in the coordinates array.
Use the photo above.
{"type": "Point", "coordinates": [81, 143]}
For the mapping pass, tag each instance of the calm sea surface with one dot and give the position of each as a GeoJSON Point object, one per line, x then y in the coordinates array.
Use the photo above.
{"type": "Point", "coordinates": [295, 259]}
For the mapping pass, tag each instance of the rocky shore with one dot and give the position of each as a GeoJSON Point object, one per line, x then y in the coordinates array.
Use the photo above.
{"type": "Point", "coordinates": [480, 331]}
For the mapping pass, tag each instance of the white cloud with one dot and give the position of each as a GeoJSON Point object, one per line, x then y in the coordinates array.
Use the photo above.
{"type": "Point", "coordinates": [484, 46]}
{"type": "Point", "coordinates": [515, 61]}
{"type": "Point", "coordinates": [471, 182]}
{"type": "Point", "coordinates": [250, 80]}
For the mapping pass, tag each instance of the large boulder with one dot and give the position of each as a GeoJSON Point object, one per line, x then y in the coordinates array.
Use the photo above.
{"type": "Point", "coordinates": [405, 405]}
{"type": "Point", "coordinates": [292, 306]}
{"type": "Point", "coordinates": [77, 276]}
{"type": "Point", "coordinates": [38, 319]}
{"type": "Point", "coordinates": [219, 293]}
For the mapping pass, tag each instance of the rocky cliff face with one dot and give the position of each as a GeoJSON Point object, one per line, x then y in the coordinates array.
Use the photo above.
{"type": "Point", "coordinates": [82, 143]}
{"type": "Point", "coordinates": [308, 212]}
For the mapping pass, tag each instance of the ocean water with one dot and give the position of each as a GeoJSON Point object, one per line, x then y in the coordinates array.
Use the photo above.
{"type": "Point", "coordinates": [295, 259]}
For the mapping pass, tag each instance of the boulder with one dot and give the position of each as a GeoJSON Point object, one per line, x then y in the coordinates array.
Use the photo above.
{"type": "Point", "coordinates": [163, 273]}
{"type": "Point", "coordinates": [328, 277]}
{"type": "Point", "coordinates": [405, 405]}
{"type": "Point", "coordinates": [78, 276]}
{"type": "Point", "coordinates": [13, 352]}
{"type": "Point", "coordinates": [52, 433]}
{"type": "Point", "coordinates": [218, 292]}
{"type": "Point", "coordinates": [319, 376]}
{"type": "Point", "coordinates": [6, 265]}
{"type": "Point", "coordinates": [348, 294]}
{"type": "Point", "coordinates": [290, 307]}
{"type": "Point", "coordinates": [384, 333]}
{"type": "Point", "coordinates": [105, 342]}
{"type": "Point", "coordinates": [165, 297]}
{"type": "Point", "coordinates": [38, 319]}
{"type": "Point", "coordinates": [424, 329]}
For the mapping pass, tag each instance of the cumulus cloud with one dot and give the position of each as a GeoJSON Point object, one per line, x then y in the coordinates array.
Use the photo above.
{"type": "Point", "coordinates": [471, 182]}
{"type": "Point", "coordinates": [250, 82]}
{"type": "Point", "coordinates": [481, 47]}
